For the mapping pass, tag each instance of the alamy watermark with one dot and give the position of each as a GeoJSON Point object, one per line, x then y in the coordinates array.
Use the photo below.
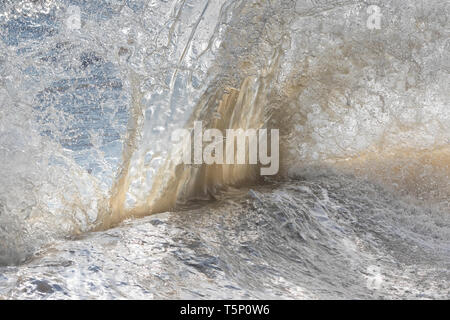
{"type": "Point", "coordinates": [374, 19]}
{"type": "Point", "coordinates": [374, 280]}
{"type": "Point", "coordinates": [238, 146]}
{"type": "Point", "coordinates": [73, 18]}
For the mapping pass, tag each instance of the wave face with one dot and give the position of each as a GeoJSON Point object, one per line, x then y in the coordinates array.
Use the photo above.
{"type": "Point", "coordinates": [86, 116]}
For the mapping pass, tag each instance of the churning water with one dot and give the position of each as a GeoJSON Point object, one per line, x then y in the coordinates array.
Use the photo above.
{"type": "Point", "coordinates": [94, 205]}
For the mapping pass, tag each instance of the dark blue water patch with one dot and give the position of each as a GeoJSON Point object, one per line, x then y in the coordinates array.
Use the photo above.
{"type": "Point", "coordinates": [90, 59]}
{"type": "Point", "coordinates": [94, 268]}
{"type": "Point", "coordinates": [34, 27]}
{"type": "Point", "coordinates": [136, 5]}
{"type": "Point", "coordinates": [43, 286]}
{"type": "Point", "coordinates": [61, 56]}
{"type": "Point", "coordinates": [39, 25]}
{"type": "Point", "coordinates": [94, 103]}
{"type": "Point", "coordinates": [94, 10]}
